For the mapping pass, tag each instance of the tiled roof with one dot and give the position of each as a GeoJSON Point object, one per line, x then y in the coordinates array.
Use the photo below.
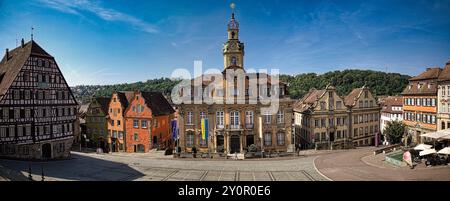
{"type": "Point", "coordinates": [389, 102]}
{"type": "Point", "coordinates": [430, 73]}
{"type": "Point", "coordinates": [125, 97]}
{"type": "Point", "coordinates": [104, 103]}
{"type": "Point", "coordinates": [11, 66]}
{"type": "Point", "coordinates": [445, 74]}
{"type": "Point", "coordinates": [157, 103]}
{"type": "Point", "coordinates": [350, 99]}
{"type": "Point", "coordinates": [308, 100]}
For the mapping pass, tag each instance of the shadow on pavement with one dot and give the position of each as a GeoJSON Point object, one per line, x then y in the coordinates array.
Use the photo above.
{"type": "Point", "coordinates": [79, 167]}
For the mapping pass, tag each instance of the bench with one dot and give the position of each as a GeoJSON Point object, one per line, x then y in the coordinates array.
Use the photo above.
{"type": "Point", "coordinates": [386, 149]}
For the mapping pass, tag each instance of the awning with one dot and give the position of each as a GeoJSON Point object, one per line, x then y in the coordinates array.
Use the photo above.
{"type": "Point", "coordinates": [422, 147]}
{"type": "Point", "coordinates": [441, 134]}
{"type": "Point", "coordinates": [427, 152]}
{"type": "Point", "coordinates": [445, 150]}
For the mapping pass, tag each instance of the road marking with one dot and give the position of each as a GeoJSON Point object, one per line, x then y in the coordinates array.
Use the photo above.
{"type": "Point", "coordinates": [171, 174]}
{"type": "Point", "coordinates": [307, 175]}
{"type": "Point", "coordinates": [204, 175]}
{"type": "Point", "coordinates": [271, 176]}
{"type": "Point", "coordinates": [220, 176]}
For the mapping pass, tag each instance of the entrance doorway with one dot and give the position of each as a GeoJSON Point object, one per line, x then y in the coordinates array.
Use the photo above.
{"type": "Point", "coordinates": [155, 142]}
{"type": "Point", "coordinates": [235, 144]}
{"type": "Point", "coordinates": [250, 140]}
{"type": "Point", "coordinates": [46, 151]}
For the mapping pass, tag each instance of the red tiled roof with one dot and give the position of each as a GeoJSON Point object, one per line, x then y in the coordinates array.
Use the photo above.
{"type": "Point", "coordinates": [350, 99]}
{"type": "Point", "coordinates": [445, 74]}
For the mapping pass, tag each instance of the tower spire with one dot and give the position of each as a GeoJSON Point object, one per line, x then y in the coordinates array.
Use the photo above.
{"type": "Point", "coordinates": [32, 30]}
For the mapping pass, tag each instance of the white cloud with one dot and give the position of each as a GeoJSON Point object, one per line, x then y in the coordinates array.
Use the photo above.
{"type": "Point", "coordinates": [78, 6]}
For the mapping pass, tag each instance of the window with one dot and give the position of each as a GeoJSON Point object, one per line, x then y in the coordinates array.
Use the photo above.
{"type": "Point", "coordinates": [16, 113]}
{"type": "Point", "coordinates": [27, 113]}
{"type": "Point", "coordinates": [322, 105]}
{"type": "Point", "coordinates": [135, 123]}
{"type": "Point", "coordinates": [219, 118]}
{"type": "Point", "coordinates": [120, 135]}
{"type": "Point", "coordinates": [316, 123]}
{"type": "Point", "coordinates": [190, 118]}
{"type": "Point", "coordinates": [234, 119]}
{"type": "Point", "coordinates": [27, 94]}
{"type": "Point", "coordinates": [112, 122]}
{"type": "Point", "coordinates": [366, 94]}
{"type": "Point", "coordinates": [280, 116]}
{"type": "Point", "coordinates": [118, 122]}
{"type": "Point", "coordinates": [202, 115]}
{"type": "Point", "coordinates": [338, 105]}
{"type": "Point", "coordinates": [249, 117]}
{"type": "Point", "coordinates": [280, 138]}
{"type": "Point", "coordinates": [267, 117]}
{"type": "Point", "coordinates": [190, 139]}
{"type": "Point", "coordinates": [267, 139]}
{"type": "Point", "coordinates": [322, 122]}
{"type": "Point", "coordinates": [144, 123]}
{"type": "Point", "coordinates": [433, 102]}
{"type": "Point", "coordinates": [135, 137]}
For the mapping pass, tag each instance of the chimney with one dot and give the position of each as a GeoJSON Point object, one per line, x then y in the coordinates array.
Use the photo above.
{"type": "Point", "coordinates": [22, 43]}
{"type": "Point", "coordinates": [7, 54]}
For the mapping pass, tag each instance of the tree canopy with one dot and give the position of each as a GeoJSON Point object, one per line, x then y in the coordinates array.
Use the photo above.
{"type": "Point", "coordinates": [380, 83]}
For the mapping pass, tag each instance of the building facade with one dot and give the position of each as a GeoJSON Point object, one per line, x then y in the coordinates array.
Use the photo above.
{"type": "Point", "coordinates": [324, 120]}
{"type": "Point", "coordinates": [147, 122]}
{"type": "Point", "coordinates": [420, 104]}
{"type": "Point", "coordinates": [391, 110]}
{"type": "Point", "coordinates": [97, 118]}
{"type": "Point", "coordinates": [233, 117]}
{"type": "Point", "coordinates": [116, 125]}
{"type": "Point", "coordinates": [38, 110]}
{"type": "Point", "coordinates": [443, 114]}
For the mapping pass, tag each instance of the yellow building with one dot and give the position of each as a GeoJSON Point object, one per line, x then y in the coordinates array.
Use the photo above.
{"type": "Point", "coordinates": [324, 120]}
{"type": "Point", "coordinates": [234, 126]}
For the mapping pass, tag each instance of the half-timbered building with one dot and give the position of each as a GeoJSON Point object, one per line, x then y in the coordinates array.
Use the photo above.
{"type": "Point", "coordinates": [37, 107]}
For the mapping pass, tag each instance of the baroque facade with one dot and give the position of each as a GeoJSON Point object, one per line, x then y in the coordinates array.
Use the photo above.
{"type": "Point", "coordinates": [325, 120]}
{"type": "Point", "coordinates": [236, 117]}
{"type": "Point", "coordinates": [37, 108]}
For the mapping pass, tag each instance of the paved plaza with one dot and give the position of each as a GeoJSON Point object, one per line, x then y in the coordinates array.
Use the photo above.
{"type": "Point", "coordinates": [356, 164]}
{"type": "Point", "coordinates": [148, 167]}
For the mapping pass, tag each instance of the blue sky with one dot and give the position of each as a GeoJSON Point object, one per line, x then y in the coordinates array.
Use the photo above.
{"type": "Point", "coordinates": [117, 41]}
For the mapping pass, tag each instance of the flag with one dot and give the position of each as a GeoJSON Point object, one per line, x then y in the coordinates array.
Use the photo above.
{"type": "Point", "coordinates": [204, 129]}
{"type": "Point", "coordinates": [174, 129]}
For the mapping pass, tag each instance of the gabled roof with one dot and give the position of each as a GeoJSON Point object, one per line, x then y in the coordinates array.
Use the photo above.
{"type": "Point", "coordinates": [350, 99]}
{"type": "Point", "coordinates": [11, 66]}
{"type": "Point", "coordinates": [104, 103]}
{"type": "Point", "coordinates": [308, 100]}
{"type": "Point", "coordinates": [430, 73]}
{"type": "Point", "coordinates": [157, 103]}
{"type": "Point", "coordinates": [392, 101]}
{"type": "Point", "coordinates": [125, 97]}
{"type": "Point", "coordinates": [445, 74]}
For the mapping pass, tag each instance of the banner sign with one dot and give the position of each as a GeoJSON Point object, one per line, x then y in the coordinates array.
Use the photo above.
{"type": "Point", "coordinates": [204, 129]}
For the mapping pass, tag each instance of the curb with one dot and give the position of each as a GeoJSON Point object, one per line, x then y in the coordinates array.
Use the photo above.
{"type": "Point", "coordinates": [317, 170]}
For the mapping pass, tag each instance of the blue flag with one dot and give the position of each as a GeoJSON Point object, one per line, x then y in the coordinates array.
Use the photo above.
{"type": "Point", "coordinates": [174, 129]}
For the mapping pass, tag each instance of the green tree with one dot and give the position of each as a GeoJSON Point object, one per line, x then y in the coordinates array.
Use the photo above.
{"type": "Point", "coordinates": [394, 131]}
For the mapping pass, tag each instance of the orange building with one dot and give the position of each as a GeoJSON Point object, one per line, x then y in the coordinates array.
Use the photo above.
{"type": "Point", "coordinates": [147, 122]}
{"type": "Point", "coordinates": [116, 125]}
{"type": "Point", "coordinates": [420, 103]}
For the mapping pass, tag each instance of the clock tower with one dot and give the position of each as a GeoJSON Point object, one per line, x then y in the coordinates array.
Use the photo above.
{"type": "Point", "coordinates": [233, 49]}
